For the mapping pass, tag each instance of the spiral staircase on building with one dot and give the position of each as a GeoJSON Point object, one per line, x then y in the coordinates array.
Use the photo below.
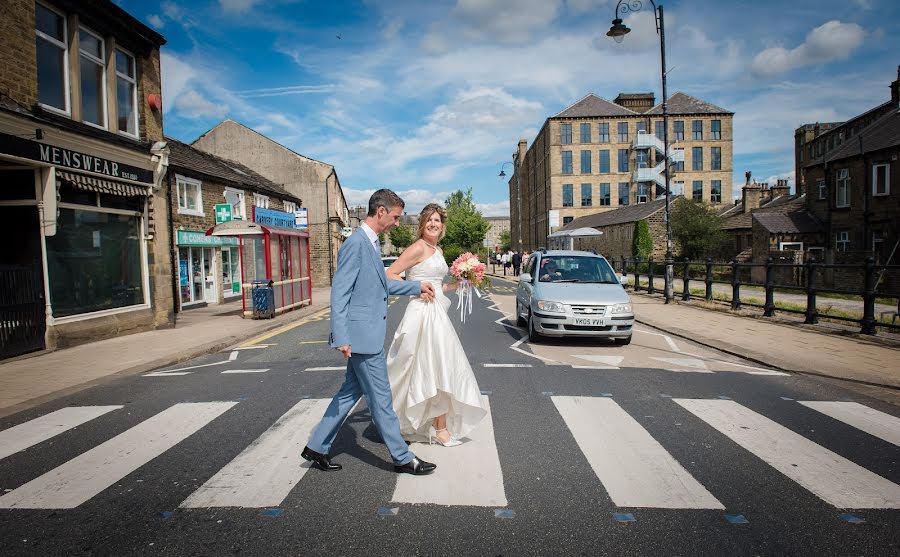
{"type": "Point", "coordinates": [656, 174]}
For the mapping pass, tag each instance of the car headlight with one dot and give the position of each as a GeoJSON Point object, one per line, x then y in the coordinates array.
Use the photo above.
{"type": "Point", "coordinates": [553, 307]}
{"type": "Point", "coordinates": [621, 308]}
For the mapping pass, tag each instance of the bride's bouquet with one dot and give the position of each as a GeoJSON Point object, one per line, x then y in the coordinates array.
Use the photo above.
{"type": "Point", "coordinates": [469, 271]}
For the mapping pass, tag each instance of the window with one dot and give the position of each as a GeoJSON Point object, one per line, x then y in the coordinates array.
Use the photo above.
{"type": "Point", "coordinates": [697, 190]}
{"type": "Point", "coordinates": [677, 189]}
{"type": "Point", "coordinates": [643, 192]}
{"type": "Point", "coordinates": [231, 271]}
{"type": "Point", "coordinates": [585, 162]}
{"type": "Point", "coordinates": [605, 195]}
{"type": "Point", "coordinates": [881, 179]}
{"type": "Point", "coordinates": [567, 220]}
{"type": "Point", "coordinates": [679, 130]}
{"type": "Point", "coordinates": [52, 58]}
{"type": "Point", "coordinates": [261, 201]}
{"type": "Point", "coordinates": [567, 162]}
{"type": "Point", "coordinates": [585, 133]}
{"type": "Point", "coordinates": [235, 198]}
{"type": "Point", "coordinates": [565, 134]}
{"type": "Point", "coordinates": [604, 162]}
{"type": "Point", "coordinates": [716, 129]}
{"type": "Point", "coordinates": [604, 132]}
{"type": "Point", "coordinates": [624, 194]}
{"type": "Point", "coordinates": [697, 158]}
{"type": "Point", "coordinates": [697, 130]}
{"type": "Point", "coordinates": [190, 196]}
{"type": "Point", "coordinates": [568, 195]}
{"type": "Point", "coordinates": [715, 191]}
{"type": "Point", "coordinates": [660, 130]}
{"type": "Point", "coordinates": [126, 93]}
{"type": "Point", "coordinates": [679, 166]}
{"type": "Point", "coordinates": [586, 199]}
{"type": "Point", "coordinates": [93, 78]}
{"type": "Point", "coordinates": [623, 160]}
{"type": "Point", "coordinates": [641, 127]}
{"type": "Point", "coordinates": [842, 240]}
{"type": "Point", "coordinates": [715, 155]}
{"type": "Point", "coordinates": [623, 132]}
{"type": "Point", "coordinates": [823, 191]}
{"type": "Point", "coordinates": [290, 207]}
{"type": "Point", "coordinates": [842, 188]}
{"type": "Point", "coordinates": [643, 158]}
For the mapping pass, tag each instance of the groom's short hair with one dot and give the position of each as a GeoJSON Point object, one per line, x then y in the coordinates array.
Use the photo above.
{"type": "Point", "coordinates": [384, 198]}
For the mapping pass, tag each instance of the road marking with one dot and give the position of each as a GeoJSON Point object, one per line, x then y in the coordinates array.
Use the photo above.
{"type": "Point", "coordinates": [593, 367]}
{"type": "Point", "coordinates": [30, 433]}
{"type": "Point", "coordinates": [257, 347]}
{"type": "Point", "coordinates": [881, 425]}
{"type": "Point", "coordinates": [611, 361]}
{"type": "Point", "coordinates": [86, 475]}
{"type": "Point", "coordinates": [335, 368]}
{"type": "Point", "coordinates": [667, 338]}
{"type": "Point", "coordinates": [506, 365]}
{"type": "Point", "coordinates": [685, 364]}
{"type": "Point", "coordinates": [172, 373]}
{"type": "Point", "coordinates": [286, 328]}
{"type": "Point", "coordinates": [268, 469]}
{"type": "Point", "coordinates": [233, 356]}
{"type": "Point", "coordinates": [312, 342]}
{"type": "Point", "coordinates": [831, 477]}
{"type": "Point", "coordinates": [633, 467]}
{"type": "Point", "coordinates": [515, 346]}
{"type": "Point", "coordinates": [468, 474]}
{"type": "Point", "coordinates": [246, 370]}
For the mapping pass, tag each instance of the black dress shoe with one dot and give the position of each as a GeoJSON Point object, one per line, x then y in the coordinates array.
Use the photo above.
{"type": "Point", "coordinates": [415, 466]}
{"type": "Point", "coordinates": [320, 459]}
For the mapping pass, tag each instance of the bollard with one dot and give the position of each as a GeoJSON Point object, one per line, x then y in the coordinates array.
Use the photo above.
{"type": "Point", "coordinates": [770, 288]}
{"type": "Point", "coordinates": [709, 280]}
{"type": "Point", "coordinates": [637, 274]}
{"type": "Point", "coordinates": [735, 286]}
{"type": "Point", "coordinates": [686, 293]}
{"type": "Point", "coordinates": [651, 289]}
{"type": "Point", "coordinates": [868, 320]}
{"type": "Point", "coordinates": [811, 316]}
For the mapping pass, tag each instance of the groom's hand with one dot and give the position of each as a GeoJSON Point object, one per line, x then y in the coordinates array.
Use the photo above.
{"type": "Point", "coordinates": [345, 350]}
{"type": "Point", "coordinates": [427, 291]}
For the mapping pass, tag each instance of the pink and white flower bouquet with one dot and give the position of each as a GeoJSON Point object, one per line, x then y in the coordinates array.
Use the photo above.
{"type": "Point", "coordinates": [469, 271]}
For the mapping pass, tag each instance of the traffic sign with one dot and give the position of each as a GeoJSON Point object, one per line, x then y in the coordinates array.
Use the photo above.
{"type": "Point", "coordinates": [223, 213]}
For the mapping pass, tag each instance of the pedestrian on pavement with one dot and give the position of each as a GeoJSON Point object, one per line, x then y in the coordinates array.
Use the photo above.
{"type": "Point", "coordinates": [360, 282]}
{"type": "Point", "coordinates": [504, 262]}
{"type": "Point", "coordinates": [525, 259]}
{"type": "Point", "coordinates": [516, 263]}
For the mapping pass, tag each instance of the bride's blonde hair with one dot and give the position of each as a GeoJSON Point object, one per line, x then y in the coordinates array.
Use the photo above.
{"type": "Point", "coordinates": [425, 215]}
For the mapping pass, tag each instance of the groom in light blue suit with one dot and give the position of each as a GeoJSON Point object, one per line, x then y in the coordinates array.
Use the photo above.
{"type": "Point", "coordinates": [359, 293]}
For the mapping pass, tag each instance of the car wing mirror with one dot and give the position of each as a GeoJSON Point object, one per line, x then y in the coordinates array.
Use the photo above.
{"type": "Point", "coordinates": [525, 277]}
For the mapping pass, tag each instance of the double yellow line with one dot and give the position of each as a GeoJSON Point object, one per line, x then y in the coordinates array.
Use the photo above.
{"type": "Point", "coordinates": [288, 327]}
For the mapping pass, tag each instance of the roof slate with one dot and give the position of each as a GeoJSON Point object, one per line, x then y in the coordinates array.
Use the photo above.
{"type": "Point", "coordinates": [682, 103]}
{"type": "Point", "coordinates": [880, 134]}
{"type": "Point", "coordinates": [797, 222]}
{"type": "Point", "coordinates": [591, 106]}
{"type": "Point", "coordinates": [631, 213]}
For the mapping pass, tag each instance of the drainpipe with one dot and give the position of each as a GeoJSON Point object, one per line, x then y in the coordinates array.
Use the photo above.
{"type": "Point", "coordinates": [328, 229]}
{"type": "Point", "coordinates": [173, 249]}
{"type": "Point", "coordinates": [865, 184]}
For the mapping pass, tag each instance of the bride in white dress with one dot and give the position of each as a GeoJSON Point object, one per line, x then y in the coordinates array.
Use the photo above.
{"type": "Point", "coordinates": [435, 393]}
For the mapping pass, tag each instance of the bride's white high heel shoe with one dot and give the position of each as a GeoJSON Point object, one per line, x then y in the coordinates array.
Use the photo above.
{"type": "Point", "coordinates": [451, 441]}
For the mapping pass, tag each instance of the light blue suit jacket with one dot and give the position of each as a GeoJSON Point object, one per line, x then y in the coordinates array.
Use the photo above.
{"type": "Point", "coordinates": [359, 293]}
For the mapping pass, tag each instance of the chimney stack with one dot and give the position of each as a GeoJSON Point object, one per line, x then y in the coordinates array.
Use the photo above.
{"type": "Point", "coordinates": [751, 195]}
{"type": "Point", "coordinates": [895, 90]}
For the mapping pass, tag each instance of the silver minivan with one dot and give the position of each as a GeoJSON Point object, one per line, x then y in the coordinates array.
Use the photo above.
{"type": "Point", "coordinates": [573, 293]}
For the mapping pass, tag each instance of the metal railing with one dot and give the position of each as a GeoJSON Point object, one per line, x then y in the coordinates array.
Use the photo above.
{"type": "Point", "coordinates": [810, 278]}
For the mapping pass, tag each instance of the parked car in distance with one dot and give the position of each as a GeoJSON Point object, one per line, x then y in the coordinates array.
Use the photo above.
{"type": "Point", "coordinates": [388, 261]}
{"type": "Point", "coordinates": [573, 293]}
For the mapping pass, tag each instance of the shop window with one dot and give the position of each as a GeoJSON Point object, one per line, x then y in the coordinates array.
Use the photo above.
{"type": "Point", "coordinates": [190, 196]}
{"type": "Point", "coordinates": [93, 78]}
{"type": "Point", "coordinates": [231, 271]}
{"type": "Point", "coordinates": [52, 58]}
{"type": "Point", "coordinates": [236, 199]}
{"type": "Point", "coordinates": [261, 201]}
{"type": "Point", "coordinates": [126, 93]}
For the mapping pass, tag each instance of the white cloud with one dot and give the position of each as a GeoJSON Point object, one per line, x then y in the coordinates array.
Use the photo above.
{"type": "Point", "coordinates": [288, 90]}
{"type": "Point", "coordinates": [589, 6]}
{"type": "Point", "coordinates": [415, 199]}
{"type": "Point", "coordinates": [174, 12]}
{"type": "Point", "coordinates": [155, 21]}
{"type": "Point", "coordinates": [392, 29]}
{"type": "Point", "coordinates": [192, 104]}
{"type": "Point", "coordinates": [498, 209]}
{"type": "Point", "coordinates": [505, 20]}
{"type": "Point", "coordinates": [831, 41]}
{"type": "Point", "coordinates": [237, 6]}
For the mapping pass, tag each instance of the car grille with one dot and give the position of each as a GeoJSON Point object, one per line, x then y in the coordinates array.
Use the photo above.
{"type": "Point", "coordinates": [589, 310]}
{"type": "Point", "coordinates": [586, 328]}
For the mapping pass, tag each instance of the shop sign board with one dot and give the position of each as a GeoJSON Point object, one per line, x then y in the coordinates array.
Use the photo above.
{"type": "Point", "coordinates": [192, 238]}
{"type": "Point", "coordinates": [274, 218]}
{"type": "Point", "coordinates": [223, 213]}
{"type": "Point", "coordinates": [301, 218]}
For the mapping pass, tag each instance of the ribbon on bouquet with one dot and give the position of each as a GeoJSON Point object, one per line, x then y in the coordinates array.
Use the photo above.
{"type": "Point", "coordinates": [465, 298]}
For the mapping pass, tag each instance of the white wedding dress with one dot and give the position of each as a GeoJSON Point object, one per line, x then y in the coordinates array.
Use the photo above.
{"type": "Point", "coordinates": [429, 372]}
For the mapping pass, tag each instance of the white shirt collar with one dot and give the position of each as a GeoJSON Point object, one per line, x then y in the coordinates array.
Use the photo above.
{"type": "Point", "coordinates": [370, 233]}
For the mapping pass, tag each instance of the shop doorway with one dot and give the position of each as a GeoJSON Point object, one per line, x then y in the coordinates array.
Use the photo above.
{"type": "Point", "coordinates": [198, 278]}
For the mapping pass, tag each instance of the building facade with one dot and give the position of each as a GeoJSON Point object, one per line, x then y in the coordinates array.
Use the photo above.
{"type": "Point", "coordinates": [313, 181]}
{"type": "Point", "coordinates": [82, 165]}
{"type": "Point", "coordinates": [598, 155]}
{"type": "Point", "coordinates": [499, 225]}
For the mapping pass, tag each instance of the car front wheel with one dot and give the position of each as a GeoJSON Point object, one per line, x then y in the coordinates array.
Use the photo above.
{"type": "Point", "coordinates": [520, 321]}
{"type": "Point", "coordinates": [533, 335]}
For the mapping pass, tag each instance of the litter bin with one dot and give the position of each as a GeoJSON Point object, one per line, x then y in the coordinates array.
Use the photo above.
{"type": "Point", "coordinates": [263, 299]}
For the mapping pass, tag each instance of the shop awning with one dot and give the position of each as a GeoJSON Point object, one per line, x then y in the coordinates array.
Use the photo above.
{"type": "Point", "coordinates": [101, 185]}
{"type": "Point", "coordinates": [245, 228]}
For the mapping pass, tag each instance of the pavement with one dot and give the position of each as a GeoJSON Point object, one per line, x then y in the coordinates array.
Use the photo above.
{"type": "Point", "coordinates": [779, 343]}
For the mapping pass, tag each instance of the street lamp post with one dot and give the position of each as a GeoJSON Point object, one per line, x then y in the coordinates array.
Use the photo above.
{"type": "Point", "coordinates": [618, 32]}
{"type": "Point", "coordinates": [518, 199]}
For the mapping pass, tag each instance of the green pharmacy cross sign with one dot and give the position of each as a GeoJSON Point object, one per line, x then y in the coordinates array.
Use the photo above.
{"type": "Point", "coordinates": [223, 213]}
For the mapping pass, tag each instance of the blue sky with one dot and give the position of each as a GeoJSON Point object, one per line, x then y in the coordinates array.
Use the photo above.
{"type": "Point", "coordinates": [427, 97]}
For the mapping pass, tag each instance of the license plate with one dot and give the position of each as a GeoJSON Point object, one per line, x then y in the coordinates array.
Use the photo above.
{"type": "Point", "coordinates": [586, 321]}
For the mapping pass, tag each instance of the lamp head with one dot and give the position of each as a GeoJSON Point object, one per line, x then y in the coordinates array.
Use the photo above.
{"type": "Point", "coordinates": [502, 174]}
{"type": "Point", "coordinates": [618, 30]}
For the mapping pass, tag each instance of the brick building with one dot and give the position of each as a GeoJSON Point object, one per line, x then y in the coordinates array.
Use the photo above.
{"type": "Point", "coordinates": [598, 155]}
{"type": "Point", "coordinates": [313, 181]}
{"type": "Point", "coordinates": [81, 167]}
{"type": "Point", "coordinates": [617, 229]}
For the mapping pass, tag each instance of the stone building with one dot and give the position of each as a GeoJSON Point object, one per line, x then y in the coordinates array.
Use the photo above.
{"type": "Point", "coordinates": [82, 162]}
{"type": "Point", "coordinates": [313, 181]}
{"type": "Point", "coordinates": [598, 155]}
{"type": "Point", "coordinates": [617, 228]}
{"type": "Point", "coordinates": [499, 225]}
{"type": "Point", "coordinates": [208, 268]}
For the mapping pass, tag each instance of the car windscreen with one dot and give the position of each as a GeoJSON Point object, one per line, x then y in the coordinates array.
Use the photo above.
{"type": "Point", "coordinates": [576, 268]}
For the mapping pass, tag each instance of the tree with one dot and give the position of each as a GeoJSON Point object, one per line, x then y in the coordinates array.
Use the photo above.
{"type": "Point", "coordinates": [465, 226]}
{"type": "Point", "coordinates": [505, 241]}
{"type": "Point", "coordinates": [697, 229]}
{"type": "Point", "coordinates": [402, 236]}
{"type": "Point", "coordinates": [641, 241]}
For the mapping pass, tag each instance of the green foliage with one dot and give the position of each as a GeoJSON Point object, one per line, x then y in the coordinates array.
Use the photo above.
{"type": "Point", "coordinates": [641, 241]}
{"type": "Point", "coordinates": [466, 228]}
{"type": "Point", "coordinates": [402, 236]}
{"type": "Point", "coordinates": [505, 241]}
{"type": "Point", "coordinates": [697, 230]}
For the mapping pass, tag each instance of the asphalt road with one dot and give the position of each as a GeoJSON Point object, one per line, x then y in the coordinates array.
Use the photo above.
{"type": "Point", "coordinates": [662, 447]}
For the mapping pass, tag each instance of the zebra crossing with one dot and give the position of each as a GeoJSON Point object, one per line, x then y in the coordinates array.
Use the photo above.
{"type": "Point", "coordinates": [635, 469]}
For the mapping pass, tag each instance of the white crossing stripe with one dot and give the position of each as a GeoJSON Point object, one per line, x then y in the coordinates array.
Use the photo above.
{"type": "Point", "coordinates": [633, 467]}
{"type": "Point", "coordinates": [881, 425]}
{"type": "Point", "coordinates": [468, 474]}
{"type": "Point", "coordinates": [684, 364]}
{"type": "Point", "coordinates": [86, 475]}
{"type": "Point", "coordinates": [28, 434]}
{"type": "Point", "coordinates": [830, 476]}
{"type": "Point", "coordinates": [335, 368]}
{"type": "Point", "coordinates": [612, 361]}
{"type": "Point", "coordinates": [506, 365]}
{"type": "Point", "coordinates": [266, 471]}
{"type": "Point", "coordinates": [246, 370]}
